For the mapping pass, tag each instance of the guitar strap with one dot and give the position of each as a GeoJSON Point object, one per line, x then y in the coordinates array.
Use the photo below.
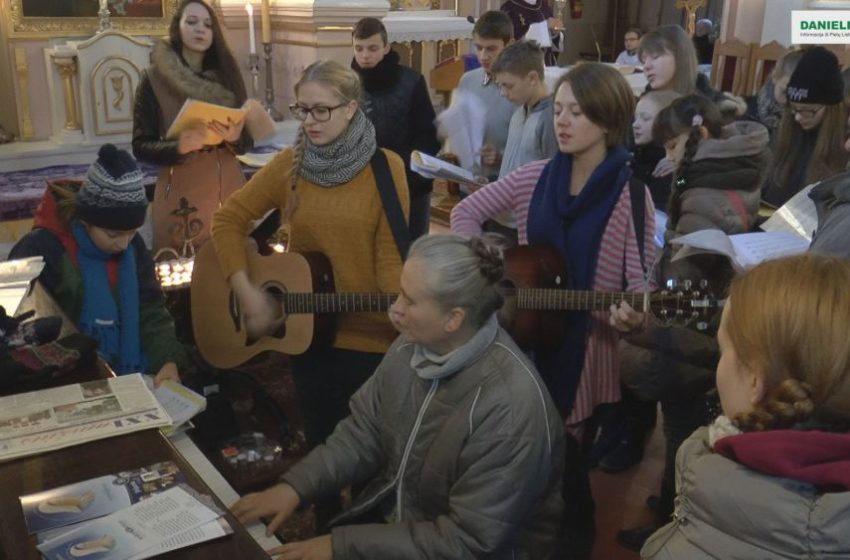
{"type": "Point", "coordinates": [392, 205]}
{"type": "Point", "coordinates": [637, 192]}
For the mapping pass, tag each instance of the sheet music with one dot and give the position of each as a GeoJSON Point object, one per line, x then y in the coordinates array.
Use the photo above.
{"type": "Point", "coordinates": [434, 168]}
{"type": "Point", "coordinates": [462, 126]}
{"type": "Point", "coordinates": [753, 248]}
{"type": "Point", "coordinates": [539, 32]}
{"type": "Point", "coordinates": [798, 215]}
{"type": "Point", "coordinates": [745, 250]}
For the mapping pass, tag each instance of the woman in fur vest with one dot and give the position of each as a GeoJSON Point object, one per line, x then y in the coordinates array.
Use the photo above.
{"type": "Point", "coordinates": [193, 62]}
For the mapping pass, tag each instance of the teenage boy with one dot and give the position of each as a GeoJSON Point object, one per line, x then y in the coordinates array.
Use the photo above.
{"type": "Point", "coordinates": [492, 33]}
{"type": "Point", "coordinates": [631, 40]}
{"type": "Point", "coordinates": [531, 134]}
{"type": "Point", "coordinates": [396, 100]}
{"type": "Point", "coordinates": [518, 71]}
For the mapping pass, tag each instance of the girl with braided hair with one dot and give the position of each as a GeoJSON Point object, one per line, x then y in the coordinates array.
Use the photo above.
{"type": "Point", "coordinates": [719, 169]}
{"type": "Point", "coordinates": [716, 185]}
{"type": "Point", "coordinates": [771, 476]}
{"type": "Point", "coordinates": [460, 442]}
{"type": "Point", "coordinates": [326, 190]}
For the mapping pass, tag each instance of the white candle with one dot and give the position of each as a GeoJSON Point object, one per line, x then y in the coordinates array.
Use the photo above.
{"type": "Point", "coordinates": [251, 39]}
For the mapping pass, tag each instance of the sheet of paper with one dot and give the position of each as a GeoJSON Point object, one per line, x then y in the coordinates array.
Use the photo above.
{"type": "Point", "coordinates": [180, 402]}
{"type": "Point", "coordinates": [462, 126]}
{"type": "Point", "coordinates": [15, 278]}
{"type": "Point", "coordinates": [753, 248]}
{"type": "Point", "coordinates": [131, 531]}
{"type": "Point", "coordinates": [539, 32]}
{"type": "Point", "coordinates": [434, 168]}
{"type": "Point", "coordinates": [703, 241]}
{"type": "Point", "coordinates": [797, 215]}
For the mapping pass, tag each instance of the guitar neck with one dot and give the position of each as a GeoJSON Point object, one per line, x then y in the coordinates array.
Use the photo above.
{"type": "Point", "coordinates": [547, 299]}
{"type": "Point", "coordinates": [337, 302]}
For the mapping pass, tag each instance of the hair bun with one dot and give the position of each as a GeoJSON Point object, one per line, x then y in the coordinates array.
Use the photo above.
{"type": "Point", "coordinates": [491, 263]}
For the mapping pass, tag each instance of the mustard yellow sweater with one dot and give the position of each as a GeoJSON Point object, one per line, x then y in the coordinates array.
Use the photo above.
{"type": "Point", "coordinates": [346, 223]}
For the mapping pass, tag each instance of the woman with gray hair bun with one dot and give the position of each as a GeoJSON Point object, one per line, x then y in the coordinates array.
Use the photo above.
{"type": "Point", "coordinates": [461, 444]}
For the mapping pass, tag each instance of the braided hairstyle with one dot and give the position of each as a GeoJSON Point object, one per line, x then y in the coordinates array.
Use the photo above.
{"type": "Point", "coordinates": [345, 84]}
{"type": "Point", "coordinates": [787, 320]}
{"type": "Point", "coordinates": [687, 115]}
{"type": "Point", "coordinates": [464, 273]}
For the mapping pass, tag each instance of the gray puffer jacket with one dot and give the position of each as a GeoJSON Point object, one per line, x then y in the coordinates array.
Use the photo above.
{"type": "Point", "coordinates": [466, 466]}
{"type": "Point", "coordinates": [721, 187]}
{"type": "Point", "coordinates": [832, 200]}
{"type": "Point", "coordinates": [727, 511]}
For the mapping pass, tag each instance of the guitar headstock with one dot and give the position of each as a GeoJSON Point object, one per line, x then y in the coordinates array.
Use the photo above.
{"type": "Point", "coordinates": [685, 303]}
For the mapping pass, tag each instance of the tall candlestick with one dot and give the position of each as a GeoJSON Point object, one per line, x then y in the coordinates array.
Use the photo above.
{"type": "Point", "coordinates": [266, 19]}
{"type": "Point", "coordinates": [252, 40]}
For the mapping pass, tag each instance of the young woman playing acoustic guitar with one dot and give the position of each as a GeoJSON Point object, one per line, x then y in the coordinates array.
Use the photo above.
{"type": "Point", "coordinates": [326, 190]}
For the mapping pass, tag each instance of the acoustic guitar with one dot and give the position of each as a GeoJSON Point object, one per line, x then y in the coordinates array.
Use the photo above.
{"type": "Point", "coordinates": [303, 283]}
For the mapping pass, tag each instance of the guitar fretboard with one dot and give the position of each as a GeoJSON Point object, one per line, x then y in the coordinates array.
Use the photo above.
{"type": "Point", "coordinates": [336, 303]}
{"type": "Point", "coordinates": [540, 299]}
{"type": "Point", "coordinates": [547, 299]}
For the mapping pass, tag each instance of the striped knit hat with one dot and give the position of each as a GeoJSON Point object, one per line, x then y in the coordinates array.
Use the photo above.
{"type": "Point", "coordinates": [113, 195]}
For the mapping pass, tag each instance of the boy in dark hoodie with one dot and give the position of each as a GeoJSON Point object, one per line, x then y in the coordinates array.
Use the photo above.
{"type": "Point", "coordinates": [396, 100]}
{"type": "Point", "coordinates": [98, 269]}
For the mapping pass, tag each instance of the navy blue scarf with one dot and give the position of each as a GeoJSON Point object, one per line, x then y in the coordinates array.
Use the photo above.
{"type": "Point", "coordinates": [574, 227]}
{"type": "Point", "coordinates": [114, 326]}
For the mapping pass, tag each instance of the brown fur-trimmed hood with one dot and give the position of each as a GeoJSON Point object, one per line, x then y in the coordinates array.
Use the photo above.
{"type": "Point", "coordinates": [183, 82]}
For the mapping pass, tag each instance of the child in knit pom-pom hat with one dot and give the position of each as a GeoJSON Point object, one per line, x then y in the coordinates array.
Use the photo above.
{"type": "Point", "coordinates": [98, 269]}
{"type": "Point", "coordinates": [813, 128]}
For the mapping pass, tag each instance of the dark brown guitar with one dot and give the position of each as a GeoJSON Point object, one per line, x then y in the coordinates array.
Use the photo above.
{"type": "Point", "coordinates": [303, 283]}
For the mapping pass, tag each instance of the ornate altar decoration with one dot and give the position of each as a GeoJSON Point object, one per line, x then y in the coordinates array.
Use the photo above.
{"type": "Point", "coordinates": [69, 18]}
{"type": "Point", "coordinates": [691, 6]}
{"type": "Point", "coordinates": [92, 84]}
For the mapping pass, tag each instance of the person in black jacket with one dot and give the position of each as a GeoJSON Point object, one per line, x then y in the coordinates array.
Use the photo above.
{"type": "Point", "coordinates": [396, 100]}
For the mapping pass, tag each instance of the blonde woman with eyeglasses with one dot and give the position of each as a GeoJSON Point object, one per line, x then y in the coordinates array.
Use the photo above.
{"type": "Point", "coordinates": [326, 190]}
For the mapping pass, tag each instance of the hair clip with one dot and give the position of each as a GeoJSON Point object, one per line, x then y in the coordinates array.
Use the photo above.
{"type": "Point", "coordinates": [697, 120]}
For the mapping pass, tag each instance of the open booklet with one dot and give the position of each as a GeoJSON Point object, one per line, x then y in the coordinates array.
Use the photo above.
{"type": "Point", "coordinates": [745, 250]}
{"type": "Point", "coordinates": [201, 114]}
{"type": "Point", "coordinates": [435, 168]}
{"type": "Point", "coordinates": [169, 520]}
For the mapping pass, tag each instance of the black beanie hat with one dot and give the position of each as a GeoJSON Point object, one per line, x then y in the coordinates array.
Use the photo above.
{"type": "Point", "coordinates": [113, 194]}
{"type": "Point", "coordinates": [817, 79]}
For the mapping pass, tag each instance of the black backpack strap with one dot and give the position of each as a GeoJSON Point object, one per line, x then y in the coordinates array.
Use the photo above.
{"type": "Point", "coordinates": [637, 192]}
{"type": "Point", "coordinates": [392, 205]}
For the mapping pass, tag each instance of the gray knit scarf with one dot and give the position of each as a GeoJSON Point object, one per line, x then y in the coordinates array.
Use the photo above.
{"type": "Point", "coordinates": [338, 162]}
{"type": "Point", "coordinates": [430, 365]}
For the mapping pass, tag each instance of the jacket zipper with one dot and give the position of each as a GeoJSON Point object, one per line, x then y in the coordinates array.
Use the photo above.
{"type": "Point", "coordinates": [397, 478]}
{"type": "Point", "coordinates": [409, 446]}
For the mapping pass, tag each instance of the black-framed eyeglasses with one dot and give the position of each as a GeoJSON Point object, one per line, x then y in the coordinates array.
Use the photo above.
{"type": "Point", "coordinates": [807, 113]}
{"type": "Point", "coordinates": [320, 112]}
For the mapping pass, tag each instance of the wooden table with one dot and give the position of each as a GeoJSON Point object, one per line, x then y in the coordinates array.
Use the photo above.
{"type": "Point", "coordinates": [98, 458]}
